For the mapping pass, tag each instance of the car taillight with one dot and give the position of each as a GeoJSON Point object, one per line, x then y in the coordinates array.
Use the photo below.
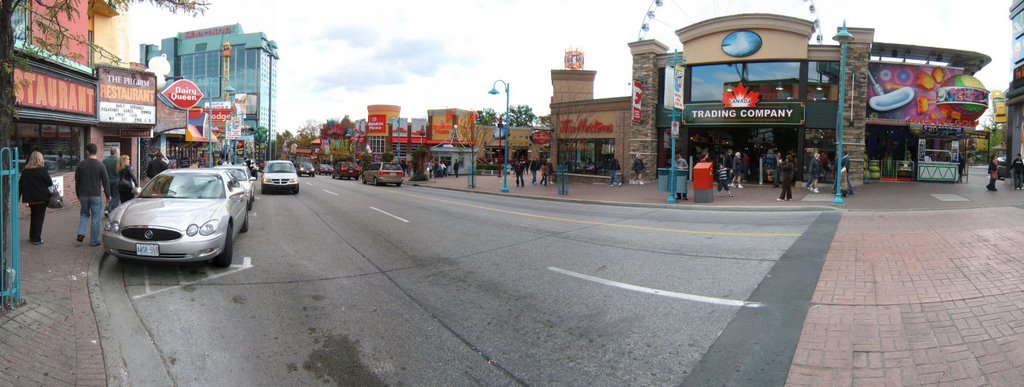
{"type": "Point", "coordinates": [400, 173]}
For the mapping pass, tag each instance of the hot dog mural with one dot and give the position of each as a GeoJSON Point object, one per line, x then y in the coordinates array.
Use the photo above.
{"type": "Point", "coordinates": [925, 94]}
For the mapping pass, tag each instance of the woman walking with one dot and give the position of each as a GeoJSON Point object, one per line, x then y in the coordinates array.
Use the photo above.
{"type": "Point", "coordinates": [993, 174]}
{"type": "Point", "coordinates": [737, 170]}
{"type": "Point", "coordinates": [787, 179]}
{"type": "Point", "coordinates": [125, 173]}
{"type": "Point", "coordinates": [35, 185]}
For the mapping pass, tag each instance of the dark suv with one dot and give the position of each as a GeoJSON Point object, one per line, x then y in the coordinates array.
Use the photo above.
{"type": "Point", "coordinates": [346, 170]}
{"type": "Point", "coordinates": [305, 168]}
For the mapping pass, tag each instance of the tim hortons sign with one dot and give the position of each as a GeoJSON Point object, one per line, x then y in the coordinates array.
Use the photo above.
{"type": "Point", "coordinates": [183, 94]}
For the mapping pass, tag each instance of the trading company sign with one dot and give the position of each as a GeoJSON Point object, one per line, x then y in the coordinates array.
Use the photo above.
{"type": "Point", "coordinates": [183, 94]}
{"type": "Point", "coordinates": [777, 113]}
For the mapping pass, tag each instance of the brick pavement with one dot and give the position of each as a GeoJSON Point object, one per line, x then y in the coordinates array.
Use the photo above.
{"type": "Point", "coordinates": [918, 298]}
{"type": "Point", "coordinates": [53, 339]}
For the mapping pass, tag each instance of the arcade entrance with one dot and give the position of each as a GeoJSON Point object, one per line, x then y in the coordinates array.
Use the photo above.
{"type": "Point", "coordinates": [755, 143]}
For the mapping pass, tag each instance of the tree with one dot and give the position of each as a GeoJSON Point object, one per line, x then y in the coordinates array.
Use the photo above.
{"type": "Point", "coordinates": [309, 131]}
{"type": "Point", "coordinates": [286, 138]}
{"type": "Point", "coordinates": [486, 117]}
{"type": "Point", "coordinates": [521, 116]}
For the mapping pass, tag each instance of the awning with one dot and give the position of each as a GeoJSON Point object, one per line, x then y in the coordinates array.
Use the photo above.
{"type": "Point", "coordinates": [192, 135]}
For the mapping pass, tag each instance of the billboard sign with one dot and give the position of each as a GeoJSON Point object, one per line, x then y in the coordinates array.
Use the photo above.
{"type": "Point", "coordinates": [183, 94]}
{"type": "Point", "coordinates": [910, 92]}
{"type": "Point", "coordinates": [127, 97]}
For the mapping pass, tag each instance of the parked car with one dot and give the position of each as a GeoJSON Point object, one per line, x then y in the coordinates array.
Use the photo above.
{"type": "Point", "coordinates": [384, 173]}
{"type": "Point", "coordinates": [1002, 167]}
{"type": "Point", "coordinates": [326, 169]}
{"type": "Point", "coordinates": [182, 215]}
{"type": "Point", "coordinates": [245, 177]}
{"type": "Point", "coordinates": [346, 170]}
{"type": "Point", "coordinates": [279, 175]}
{"type": "Point", "coordinates": [305, 168]}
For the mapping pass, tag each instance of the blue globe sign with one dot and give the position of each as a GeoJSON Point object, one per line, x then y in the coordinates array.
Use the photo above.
{"type": "Point", "coordinates": [742, 43]}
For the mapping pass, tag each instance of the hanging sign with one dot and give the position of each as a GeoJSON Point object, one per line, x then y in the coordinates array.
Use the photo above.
{"type": "Point", "coordinates": [183, 94]}
{"type": "Point", "coordinates": [637, 96]}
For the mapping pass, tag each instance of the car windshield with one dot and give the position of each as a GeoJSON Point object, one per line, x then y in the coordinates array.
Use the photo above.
{"type": "Point", "coordinates": [280, 168]}
{"type": "Point", "coordinates": [190, 186]}
{"type": "Point", "coordinates": [306, 165]}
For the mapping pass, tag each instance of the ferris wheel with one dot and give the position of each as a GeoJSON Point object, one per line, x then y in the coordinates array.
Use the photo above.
{"type": "Point", "coordinates": [663, 17]}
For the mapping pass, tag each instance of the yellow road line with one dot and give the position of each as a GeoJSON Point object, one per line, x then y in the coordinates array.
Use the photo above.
{"type": "Point", "coordinates": [588, 222]}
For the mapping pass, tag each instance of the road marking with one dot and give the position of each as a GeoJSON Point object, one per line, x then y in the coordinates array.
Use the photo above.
{"type": "Point", "coordinates": [145, 274]}
{"type": "Point", "coordinates": [588, 222]}
{"type": "Point", "coordinates": [246, 264]}
{"type": "Point", "coordinates": [385, 213]}
{"type": "Point", "coordinates": [666, 293]}
{"type": "Point", "coordinates": [309, 184]}
{"type": "Point", "coordinates": [332, 193]}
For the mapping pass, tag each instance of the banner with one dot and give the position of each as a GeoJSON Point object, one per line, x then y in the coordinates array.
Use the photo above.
{"type": "Point", "coordinates": [637, 97]}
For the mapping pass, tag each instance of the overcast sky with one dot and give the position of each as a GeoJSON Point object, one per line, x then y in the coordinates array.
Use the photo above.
{"type": "Point", "coordinates": [337, 57]}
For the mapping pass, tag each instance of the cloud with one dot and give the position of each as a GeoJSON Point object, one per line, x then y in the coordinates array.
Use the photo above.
{"type": "Point", "coordinates": [353, 36]}
{"type": "Point", "coordinates": [391, 64]}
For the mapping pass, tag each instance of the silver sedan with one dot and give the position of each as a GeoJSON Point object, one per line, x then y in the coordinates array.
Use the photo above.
{"type": "Point", "coordinates": [244, 176]}
{"type": "Point", "coordinates": [181, 215]}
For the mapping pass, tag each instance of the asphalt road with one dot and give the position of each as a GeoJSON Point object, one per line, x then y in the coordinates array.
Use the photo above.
{"type": "Point", "coordinates": [353, 284]}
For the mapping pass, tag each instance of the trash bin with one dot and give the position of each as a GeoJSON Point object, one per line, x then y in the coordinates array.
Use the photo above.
{"type": "Point", "coordinates": [682, 176]}
{"type": "Point", "coordinates": [703, 183]}
{"type": "Point", "coordinates": [663, 179]}
{"type": "Point", "coordinates": [562, 179]}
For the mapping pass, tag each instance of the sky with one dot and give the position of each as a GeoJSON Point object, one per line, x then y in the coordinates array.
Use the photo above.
{"type": "Point", "coordinates": [337, 57]}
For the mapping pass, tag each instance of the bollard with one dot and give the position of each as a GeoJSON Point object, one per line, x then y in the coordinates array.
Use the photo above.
{"type": "Point", "coordinates": [562, 175]}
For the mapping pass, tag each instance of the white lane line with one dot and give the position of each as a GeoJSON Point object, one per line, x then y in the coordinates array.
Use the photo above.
{"type": "Point", "coordinates": [666, 293]}
{"type": "Point", "coordinates": [246, 264]}
{"type": "Point", "coordinates": [332, 193]}
{"type": "Point", "coordinates": [145, 274]}
{"type": "Point", "coordinates": [309, 184]}
{"type": "Point", "coordinates": [385, 213]}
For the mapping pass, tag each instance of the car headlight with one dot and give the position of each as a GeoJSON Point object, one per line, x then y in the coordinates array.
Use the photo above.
{"type": "Point", "coordinates": [192, 230]}
{"type": "Point", "coordinates": [112, 226]}
{"type": "Point", "coordinates": [209, 228]}
{"type": "Point", "coordinates": [293, 181]}
{"type": "Point", "coordinates": [266, 181]}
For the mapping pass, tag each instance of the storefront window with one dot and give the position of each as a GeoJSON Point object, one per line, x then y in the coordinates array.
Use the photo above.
{"type": "Point", "coordinates": [377, 144]}
{"type": "Point", "coordinates": [772, 80]}
{"type": "Point", "coordinates": [823, 81]}
{"type": "Point", "coordinates": [823, 143]}
{"type": "Point", "coordinates": [60, 145]}
{"type": "Point", "coordinates": [589, 156]}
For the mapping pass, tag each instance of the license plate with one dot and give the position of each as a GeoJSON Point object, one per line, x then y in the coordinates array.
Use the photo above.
{"type": "Point", "coordinates": [147, 249]}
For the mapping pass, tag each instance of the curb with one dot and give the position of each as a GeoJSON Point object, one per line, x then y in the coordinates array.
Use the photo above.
{"type": "Point", "coordinates": [692, 207]}
{"type": "Point", "coordinates": [117, 371]}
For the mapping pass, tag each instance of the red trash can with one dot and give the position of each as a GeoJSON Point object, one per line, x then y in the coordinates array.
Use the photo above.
{"type": "Point", "coordinates": [703, 183]}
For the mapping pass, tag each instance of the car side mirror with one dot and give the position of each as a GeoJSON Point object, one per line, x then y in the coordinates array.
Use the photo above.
{"type": "Point", "coordinates": [137, 191]}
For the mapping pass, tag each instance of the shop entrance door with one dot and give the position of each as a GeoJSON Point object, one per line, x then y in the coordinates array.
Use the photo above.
{"type": "Point", "coordinates": [756, 143]}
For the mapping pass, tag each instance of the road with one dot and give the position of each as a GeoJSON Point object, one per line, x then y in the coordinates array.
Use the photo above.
{"type": "Point", "coordinates": [353, 284]}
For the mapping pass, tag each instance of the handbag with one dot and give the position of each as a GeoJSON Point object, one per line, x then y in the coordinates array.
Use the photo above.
{"type": "Point", "coordinates": [56, 201]}
{"type": "Point", "coordinates": [995, 175]}
{"type": "Point", "coordinates": [125, 184]}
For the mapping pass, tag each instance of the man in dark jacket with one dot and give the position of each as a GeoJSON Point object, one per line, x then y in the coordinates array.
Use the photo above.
{"type": "Point", "coordinates": [110, 162]}
{"type": "Point", "coordinates": [520, 167]}
{"type": "Point", "coordinates": [90, 181]}
{"type": "Point", "coordinates": [1018, 173]}
{"type": "Point", "coordinates": [614, 167]}
{"type": "Point", "coordinates": [157, 165]}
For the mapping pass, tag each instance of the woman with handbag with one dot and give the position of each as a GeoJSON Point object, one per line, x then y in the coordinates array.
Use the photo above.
{"type": "Point", "coordinates": [35, 185]}
{"type": "Point", "coordinates": [993, 174]}
{"type": "Point", "coordinates": [126, 181]}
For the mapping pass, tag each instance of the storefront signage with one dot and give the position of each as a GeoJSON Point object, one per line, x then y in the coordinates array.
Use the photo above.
{"type": "Point", "coordinates": [1018, 77]}
{"type": "Point", "coordinates": [226, 30]}
{"type": "Point", "coordinates": [1018, 49]}
{"type": "Point", "coordinates": [637, 97]}
{"type": "Point", "coordinates": [40, 91]}
{"type": "Point", "coordinates": [741, 44]}
{"type": "Point", "coordinates": [772, 113]}
{"type": "Point", "coordinates": [1018, 24]}
{"type": "Point", "coordinates": [127, 97]}
{"type": "Point", "coordinates": [540, 137]}
{"type": "Point", "coordinates": [583, 126]}
{"type": "Point", "coordinates": [141, 133]}
{"type": "Point", "coordinates": [183, 94]}
{"type": "Point", "coordinates": [942, 131]}
{"type": "Point", "coordinates": [376, 125]}
{"type": "Point", "coordinates": [740, 97]}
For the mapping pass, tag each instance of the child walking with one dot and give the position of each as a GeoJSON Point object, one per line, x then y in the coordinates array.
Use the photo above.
{"type": "Point", "coordinates": [723, 180]}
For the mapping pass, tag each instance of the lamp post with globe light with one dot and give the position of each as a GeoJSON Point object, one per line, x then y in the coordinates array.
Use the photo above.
{"type": "Point", "coordinates": [844, 38]}
{"type": "Point", "coordinates": [503, 133]}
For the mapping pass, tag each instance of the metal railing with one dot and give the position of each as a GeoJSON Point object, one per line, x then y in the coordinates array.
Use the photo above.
{"type": "Point", "coordinates": [10, 238]}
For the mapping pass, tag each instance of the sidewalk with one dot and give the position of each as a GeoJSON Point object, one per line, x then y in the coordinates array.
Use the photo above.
{"type": "Point", "coordinates": [872, 196]}
{"type": "Point", "coordinates": [53, 339]}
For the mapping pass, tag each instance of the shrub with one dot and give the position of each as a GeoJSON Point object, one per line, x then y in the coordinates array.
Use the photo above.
{"type": "Point", "coordinates": [419, 177]}
{"type": "Point", "coordinates": [387, 157]}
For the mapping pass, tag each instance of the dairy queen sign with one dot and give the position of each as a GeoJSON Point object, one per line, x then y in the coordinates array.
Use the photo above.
{"type": "Point", "coordinates": [183, 94]}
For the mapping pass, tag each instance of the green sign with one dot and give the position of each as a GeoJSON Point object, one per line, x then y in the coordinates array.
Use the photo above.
{"type": "Point", "coordinates": [765, 113]}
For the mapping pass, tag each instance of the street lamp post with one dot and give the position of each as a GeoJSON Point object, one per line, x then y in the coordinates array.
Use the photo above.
{"type": "Point", "coordinates": [674, 131]}
{"type": "Point", "coordinates": [503, 133]}
{"type": "Point", "coordinates": [844, 38]}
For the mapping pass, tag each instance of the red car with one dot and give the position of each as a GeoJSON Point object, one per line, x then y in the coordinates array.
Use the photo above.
{"type": "Point", "coordinates": [346, 170]}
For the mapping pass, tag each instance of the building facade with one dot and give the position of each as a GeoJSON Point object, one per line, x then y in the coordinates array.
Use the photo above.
{"type": "Point", "coordinates": [248, 81]}
{"type": "Point", "coordinates": [753, 84]}
{"type": "Point", "coordinates": [1015, 92]}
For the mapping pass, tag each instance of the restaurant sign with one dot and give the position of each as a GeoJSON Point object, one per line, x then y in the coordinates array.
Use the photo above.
{"type": "Point", "coordinates": [127, 97]}
{"type": "Point", "coordinates": [41, 91]}
{"type": "Point", "coordinates": [773, 113]}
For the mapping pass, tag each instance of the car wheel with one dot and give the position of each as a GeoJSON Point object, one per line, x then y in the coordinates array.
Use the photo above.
{"type": "Point", "coordinates": [364, 179]}
{"type": "Point", "coordinates": [245, 226]}
{"type": "Point", "coordinates": [398, 184]}
{"type": "Point", "coordinates": [224, 259]}
{"type": "Point", "coordinates": [375, 182]}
